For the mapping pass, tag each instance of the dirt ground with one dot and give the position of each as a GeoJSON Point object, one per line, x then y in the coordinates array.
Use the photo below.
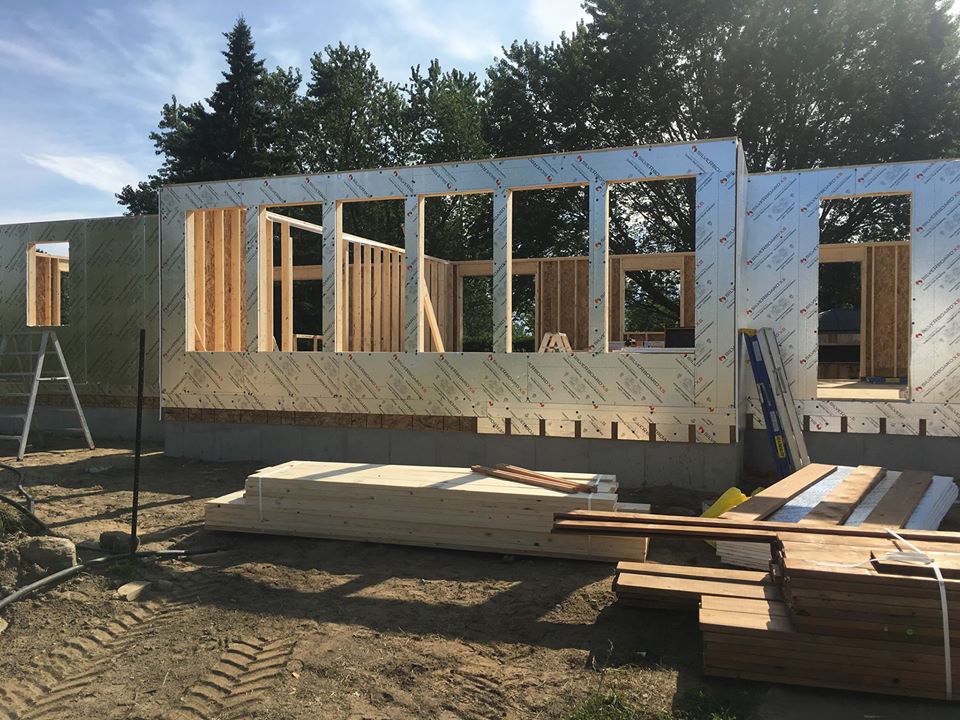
{"type": "Point", "coordinates": [296, 628]}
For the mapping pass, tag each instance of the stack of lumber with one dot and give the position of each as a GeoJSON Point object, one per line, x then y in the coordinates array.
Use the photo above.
{"type": "Point", "coordinates": [425, 506]}
{"type": "Point", "coordinates": [827, 494]}
{"type": "Point", "coordinates": [848, 607]}
{"type": "Point", "coordinates": [858, 627]}
{"type": "Point", "coordinates": [656, 585]}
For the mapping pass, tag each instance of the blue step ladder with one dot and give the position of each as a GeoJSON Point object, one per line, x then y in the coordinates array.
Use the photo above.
{"type": "Point", "coordinates": [776, 400]}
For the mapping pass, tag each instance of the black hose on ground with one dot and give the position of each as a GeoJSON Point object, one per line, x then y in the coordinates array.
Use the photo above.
{"type": "Point", "coordinates": [69, 572]}
{"type": "Point", "coordinates": [20, 488]}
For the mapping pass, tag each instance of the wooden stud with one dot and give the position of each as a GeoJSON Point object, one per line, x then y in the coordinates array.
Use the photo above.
{"type": "Point", "coordinates": [219, 271]}
{"type": "Point", "coordinates": [238, 261]}
{"type": "Point", "coordinates": [209, 271]}
{"type": "Point", "coordinates": [376, 299]}
{"type": "Point", "coordinates": [397, 306]}
{"type": "Point", "coordinates": [366, 267]}
{"type": "Point", "coordinates": [355, 295]}
{"type": "Point", "coordinates": [458, 326]}
{"type": "Point", "coordinates": [265, 339]}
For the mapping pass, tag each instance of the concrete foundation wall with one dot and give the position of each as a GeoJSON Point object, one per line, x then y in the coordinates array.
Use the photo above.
{"type": "Point", "coordinates": [940, 455]}
{"type": "Point", "coordinates": [105, 424]}
{"type": "Point", "coordinates": [636, 464]}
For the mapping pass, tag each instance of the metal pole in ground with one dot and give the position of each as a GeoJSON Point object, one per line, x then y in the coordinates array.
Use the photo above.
{"type": "Point", "coordinates": [134, 541]}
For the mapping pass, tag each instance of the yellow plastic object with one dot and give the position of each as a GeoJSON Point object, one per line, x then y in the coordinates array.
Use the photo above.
{"type": "Point", "coordinates": [730, 499]}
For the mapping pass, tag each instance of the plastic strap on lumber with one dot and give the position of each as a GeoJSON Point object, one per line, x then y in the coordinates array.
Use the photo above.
{"type": "Point", "coordinates": [921, 557]}
{"type": "Point", "coordinates": [918, 557]}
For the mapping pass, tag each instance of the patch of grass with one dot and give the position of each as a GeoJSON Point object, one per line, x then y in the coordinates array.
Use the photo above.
{"type": "Point", "coordinates": [715, 706]}
{"type": "Point", "coordinates": [126, 570]}
{"type": "Point", "coordinates": [609, 705]}
{"type": "Point", "coordinates": [605, 706]}
{"type": "Point", "coordinates": [11, 521]}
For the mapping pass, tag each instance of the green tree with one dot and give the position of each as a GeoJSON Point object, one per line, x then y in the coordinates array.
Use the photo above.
{"type": "Point", "coordinates": [239, 136]}
{"type": "Point", "coordinates": [352, 117]}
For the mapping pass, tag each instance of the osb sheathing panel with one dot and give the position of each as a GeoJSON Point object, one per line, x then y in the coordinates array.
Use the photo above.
{"type": "Point", "coordinates": [884, 300]}
{"type": "Point", "coordinates": [779, 281]}
{"type": "Point", "coordinates": [687, 396]}
{"type": "Point", "coordinates": [113, 292]}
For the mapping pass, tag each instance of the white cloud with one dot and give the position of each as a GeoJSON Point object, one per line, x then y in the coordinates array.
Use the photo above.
{"type": "Point", "coordinates": [107, 173]}
{"type": "Point", "coordinates": [551, 17]}
{"type": "Point", "coordinates": [457, 34]}
{"type": "Point", "coordinates": [183, 55]}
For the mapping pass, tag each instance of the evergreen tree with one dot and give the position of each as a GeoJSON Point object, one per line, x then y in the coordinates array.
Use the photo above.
{"type": "Point", "coordinates": [239, 136]}
{"type": "Point", "coordinates": [352, 117]}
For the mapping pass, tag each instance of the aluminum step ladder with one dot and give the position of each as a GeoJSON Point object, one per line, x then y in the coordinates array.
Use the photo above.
{"type": "Point", "coordinates": [29, 351]}
{"type": "Point", "coordinates": [776, 400]}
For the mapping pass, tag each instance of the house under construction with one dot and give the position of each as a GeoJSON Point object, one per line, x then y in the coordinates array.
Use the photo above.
{"type": "Point", "coordinates": [232, 376]}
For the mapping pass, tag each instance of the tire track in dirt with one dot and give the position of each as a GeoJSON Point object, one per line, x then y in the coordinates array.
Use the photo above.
{"type": "Point", "coordinates": [485, 697]}
{"type": "Point", "coordinates": [50, 684]}
{"type": "Point", "coordinates": [246, 671]}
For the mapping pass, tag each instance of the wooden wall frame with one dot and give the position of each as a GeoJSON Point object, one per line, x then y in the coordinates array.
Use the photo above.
{"type": "Point", "coordinates": [45, 286]}
{"type": "Point", "coordinates": [884, 287]}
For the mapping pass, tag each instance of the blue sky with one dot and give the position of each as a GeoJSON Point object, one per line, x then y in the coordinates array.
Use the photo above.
{"type": "Point", "coordinates": [83, 82]}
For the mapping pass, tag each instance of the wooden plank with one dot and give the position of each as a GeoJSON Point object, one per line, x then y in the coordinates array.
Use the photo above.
{"type": "Point", "coordinates": [766, 502]}
{"type": "Point", "coordinates": [900, 500]}
{"type": "Point", "coordinates": [287, 342]}
{"type": "Point", "coordinates": [755, 577]}
{"type": "Point", "coordinates": [840, 502]}
{"type": "Point", "coordinates": [436, 339]}
{"type": "Point", "coordinates": [763, 531]}
{"type": "Point", "coordinates": [634, 584]}
{"type": "Point", "coordinates": [219, 270]}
